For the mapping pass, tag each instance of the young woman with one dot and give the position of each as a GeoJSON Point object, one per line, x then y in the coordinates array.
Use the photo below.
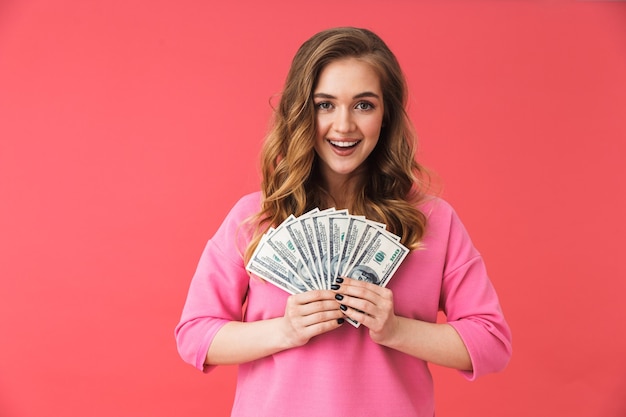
{"type": "Point", "coordinates": [341, 138]}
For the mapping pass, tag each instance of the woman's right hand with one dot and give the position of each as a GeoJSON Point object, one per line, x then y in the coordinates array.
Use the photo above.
{"type": "Point", "coordinates": [306, 315]}
{"type": "Point", "coordinates": [309, 314]}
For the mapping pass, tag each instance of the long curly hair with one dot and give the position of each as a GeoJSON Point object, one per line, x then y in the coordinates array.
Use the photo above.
{"type": "Point", "coordinates": [291, 183]}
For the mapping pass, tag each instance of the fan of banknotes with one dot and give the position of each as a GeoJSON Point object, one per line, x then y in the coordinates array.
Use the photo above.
{"type": "Point", "coordinates": [310, 251]}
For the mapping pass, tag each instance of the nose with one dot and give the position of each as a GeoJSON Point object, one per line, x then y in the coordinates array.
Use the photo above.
{"type": "Point", "coordinates": [343, 122]}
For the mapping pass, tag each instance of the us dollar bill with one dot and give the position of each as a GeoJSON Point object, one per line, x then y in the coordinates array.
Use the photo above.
{"type": "Point", "coordinates": [379, 260]}
{"type": "Point", "coordinates": [309, 232]}
{"type": "Point", "coordinates": [310, 251]}
{"type": "Point", "coordinates": [337, 229]}
{"type": "Point", "coordinates": [292, 252]}
{"type": "Point", "coordinates": [267, 264]}
{"type": "Point", "coordinates": [354, 232]}
{"type": "Point", "coordinates": [366, 237]}
{"type": "Point", "coordinates": [272, 278]}
{"type": "Point", "coordinates": [322, 236]}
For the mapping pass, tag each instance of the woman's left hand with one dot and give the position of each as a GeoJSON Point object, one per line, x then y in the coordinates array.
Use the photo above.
{"type": "Point", "coordinates": [370, 305]}
{"type": "Point", "coordinates": [373, 307]}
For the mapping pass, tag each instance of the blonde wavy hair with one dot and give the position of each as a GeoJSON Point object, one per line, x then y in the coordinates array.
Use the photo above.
{"type": "Point", "coordinates": [291, 183]}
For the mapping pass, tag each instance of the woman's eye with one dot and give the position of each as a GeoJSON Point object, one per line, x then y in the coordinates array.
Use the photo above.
{"type": "Point", "coordinates": [364, 105]}
{"type": "Point", "coordinates": [324, 105]}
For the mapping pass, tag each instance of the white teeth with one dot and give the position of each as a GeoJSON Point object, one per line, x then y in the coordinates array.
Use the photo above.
{"type": "Point", "coordinates": [343, 144]}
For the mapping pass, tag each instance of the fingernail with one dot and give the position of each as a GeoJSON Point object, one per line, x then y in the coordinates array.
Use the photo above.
{"type": "Point", "coordinates": [340, 321]}
{"type": "Point", "coordinates": [338, 297]}
{"type": "Point", "coordinates": [339, 280]}
{"type": "Point", "coordinates": [335, 286]}
{"type": "Point", "coordinates": [343, 307]}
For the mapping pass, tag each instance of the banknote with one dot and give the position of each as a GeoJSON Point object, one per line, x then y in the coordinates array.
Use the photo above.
{"type": "Point", "coordinates": [310, 251]}
{"type": "Point", "coordinates": [337, 229]}
{"type": "Point", "coordinates": [297, 234]}
{"type": "Point", "coordinates": [266, 261]}
{"type": "Point", "coordinates": [354, 233]}
{"type": "Point", "coordinates": [379, 260]}
{"type": "Point", "coordinates": [265, 273]}
{"type": "Point", "coordinates": [291, 250]}
{"type": "Point", "coordinates": [309, 233]}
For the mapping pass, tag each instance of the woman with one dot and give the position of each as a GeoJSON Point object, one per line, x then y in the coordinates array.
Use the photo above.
{"type": "Point", "coordinates": [341, 138]}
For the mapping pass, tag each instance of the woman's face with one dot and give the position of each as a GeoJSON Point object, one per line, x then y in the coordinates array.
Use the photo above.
{"type": "Point", "coordinates": [349, 113]}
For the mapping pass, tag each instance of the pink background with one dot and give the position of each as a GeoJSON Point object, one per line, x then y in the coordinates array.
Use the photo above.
{"type": "Point", "coordinates": [129, 128]}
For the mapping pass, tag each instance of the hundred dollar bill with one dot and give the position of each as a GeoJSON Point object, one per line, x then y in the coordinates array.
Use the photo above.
{"type": "Point", "coordinates": [379, 260]}
{"type": "Point", "coordinates": [337, 229]}
{"type": "Point", "coordinates": [298, 236]}
{"type": "Point", "coordinates": [312, 250]}
{"type": "Point", "coordinates": [354, 232]}
{"type": "Point", "coordinates": [309, 233]}
{"type": "Point", "coordinates": [265, 261]}
{"type": "Point", "coordinates": [306, 233]}
{"type": "Point", "coordinates": [292, 252]}
{"type": "Point", "coordinates": [366, 237]}
{"type": "Point", "coordinates": [270, 277]}
{"type": "Point", "coordinates": [322, 236]}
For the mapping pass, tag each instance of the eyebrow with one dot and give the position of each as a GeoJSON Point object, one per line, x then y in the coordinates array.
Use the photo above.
{"type": "Point", "coordinates": [360, 95]}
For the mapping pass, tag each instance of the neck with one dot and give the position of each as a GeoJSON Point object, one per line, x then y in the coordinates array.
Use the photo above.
{"type": "Point", "coordinates": [341, 192]}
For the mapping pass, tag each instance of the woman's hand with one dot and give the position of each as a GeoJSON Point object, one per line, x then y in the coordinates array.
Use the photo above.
{"type": "Point", "coordinates": [316, 312]}
{"type": "Point", "coordinates": [309, 314]}
{"type": "Point", "coordinates": [370, 305]}
{"type": "Point", "coordinates": [306, 315]}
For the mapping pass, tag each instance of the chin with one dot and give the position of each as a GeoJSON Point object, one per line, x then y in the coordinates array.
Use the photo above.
{"type": "Point", "coordinates": [343, 170]}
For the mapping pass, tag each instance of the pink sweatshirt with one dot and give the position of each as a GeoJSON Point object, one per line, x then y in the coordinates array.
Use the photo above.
{"type": "Point", "coordinates": [343, 373]}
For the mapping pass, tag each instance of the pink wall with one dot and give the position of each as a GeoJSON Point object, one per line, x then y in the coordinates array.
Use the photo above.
{"type": "Point", "coordinates": [129, 128]}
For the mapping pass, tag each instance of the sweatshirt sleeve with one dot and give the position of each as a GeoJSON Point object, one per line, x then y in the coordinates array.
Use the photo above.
{"type": "Point", "coordinates": [218, 288]}
{"type": "Point", "coordinates": [471, 304]}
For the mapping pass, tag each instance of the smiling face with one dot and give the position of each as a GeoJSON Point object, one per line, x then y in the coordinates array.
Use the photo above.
{"type": "Point", "coordinates": [349, 113]}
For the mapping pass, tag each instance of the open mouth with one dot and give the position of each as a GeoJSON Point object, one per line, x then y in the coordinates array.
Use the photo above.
{"type": "Point", "coordinates": [344, 144]}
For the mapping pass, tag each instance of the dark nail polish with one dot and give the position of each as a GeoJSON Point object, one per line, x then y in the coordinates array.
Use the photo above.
{"type": "Point", "coordinates": [338, 297]}
{"type": "Point", "coordinates": [343, 307]}
{"type": "Point", "coordinates": [340, 321]}
{"type": "Point", "coordinates": [335, 286]}
{"type": "Point", "coordinates": [339, 280]}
